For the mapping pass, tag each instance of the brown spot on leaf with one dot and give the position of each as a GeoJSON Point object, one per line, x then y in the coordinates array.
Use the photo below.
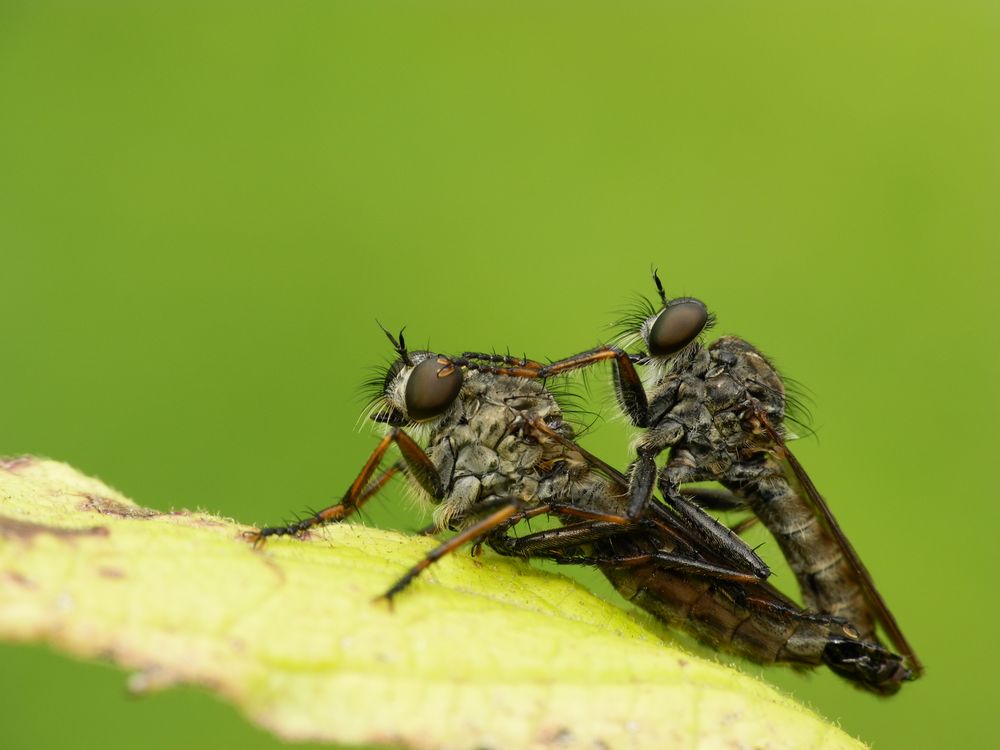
{"type": "Point", "coordinates": [562, 737]}
{"type": "Point", "coordinates": [114, 573]}
{"type": "Point", "coordinates": [20, 579]}
{"type": "Point", "coordinates": [14, 463]}
{"type": "Point", "coordinates": [107, 506]}
{"type": "Point", "coordinates": [27, 530]}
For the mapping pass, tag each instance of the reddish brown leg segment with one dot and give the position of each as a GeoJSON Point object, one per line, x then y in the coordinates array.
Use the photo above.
{"type": "Point", "coordinates": [363, 488]}
{"type": "Point", "coordinates": [476, 531]}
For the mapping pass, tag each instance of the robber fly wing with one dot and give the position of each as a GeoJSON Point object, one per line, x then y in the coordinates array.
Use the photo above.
{"type": "Point", "coordinates": [878, 605]}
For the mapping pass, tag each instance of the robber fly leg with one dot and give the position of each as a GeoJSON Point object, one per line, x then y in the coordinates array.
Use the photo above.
{"type": "Point", "coordinates": [721, 500]}
{"type": "Point", "coordinates": [480, 529]}
{"type": "Point", "coordinates": [620, 524]}
{"type": "Point", "coordinates": [560, 545]}
{"type": "Point", "coordinates": [629, 390]}
{"type": "Point", "coordinates": [667, 560]}
{"type": "Point", "coordinates": [331, 514]}
{"type": "Point", "coordinates": [689, 518]}
{"type": "Point", "coordinates": [502, 359]}
{"type": "Point", "coordinates": [642, 483]}
{"type": "Point", "coordinates": [654, 441]}
{"type": "Point", "coordinates": [362, 489]}
{"type": "Point", "coordinates": [628, 385]}
{"type": "Point", "coordinates": [539, 543]}
{"type": "Point", "coordinates": [714, 534]}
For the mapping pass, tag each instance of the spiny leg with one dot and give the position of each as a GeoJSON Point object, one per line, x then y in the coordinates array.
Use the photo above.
{"type": "Point", "coordinates": [480, 529]}
{"type": "Point", "coordinates": [548, 540]}
{"type": "Point", "coordinates": [721, 500]}
{"type": "Point", "coordinates": [417, 463]}
{"type": "Point", "coordinates": [654, 525]}
{"type": "Point", "coordinates": [562, 509]}
{"type": "Point", "coordinates": [331, 514]}
{"type": "Point", "coordinates": [666, 560]}
{"type": "Point", "coordinates": [576, 511]}
{"type": "Point", "coordinates": [679, 525]}
{"type": "Point", "coordinates": [712, 533]}
{"type": "Point", "coordinates": [599, 525]}
{"type": "Point", "coordinates": [502, 359]}
{"type": "Point", "coordinates": [551, 542]}
{"type": "Point", "coordinates": [628, 384]}
{"type": "Point", "coordinates": [696, 521]}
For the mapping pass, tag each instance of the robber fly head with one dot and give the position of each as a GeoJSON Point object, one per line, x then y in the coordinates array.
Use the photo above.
{"type": "Point", "coordinates": [417, 388]}
{"type": "Point", "coordinates": [669, 330]}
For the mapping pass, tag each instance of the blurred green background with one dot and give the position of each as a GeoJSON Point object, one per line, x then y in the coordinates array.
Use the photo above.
{"type": "Point", "coordinates": [205, 206]}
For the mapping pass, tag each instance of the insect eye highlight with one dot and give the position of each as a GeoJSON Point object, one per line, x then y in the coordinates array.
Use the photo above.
{"type": "Point", "coordinates": [678, 325]}
{"type": "Point", "coordinates": [431, 388]}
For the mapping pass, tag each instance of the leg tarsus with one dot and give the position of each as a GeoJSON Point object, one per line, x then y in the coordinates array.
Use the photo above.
{"type": "Point", "coordinates": [333, 513]}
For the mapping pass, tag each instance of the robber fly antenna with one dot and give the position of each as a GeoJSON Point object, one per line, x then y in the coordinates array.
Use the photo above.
{"type": "Point", "coordinates": [659, 286]}
{"type": "Point", "coordinates": [398, 344]}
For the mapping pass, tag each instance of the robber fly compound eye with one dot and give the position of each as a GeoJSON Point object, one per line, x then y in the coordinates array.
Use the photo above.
{"type": "Point", "coordinates": [676, 326]}
{"type": "Point", "coordinates": [431, 388]}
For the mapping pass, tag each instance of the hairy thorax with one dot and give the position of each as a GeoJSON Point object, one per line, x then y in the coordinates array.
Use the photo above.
{"type": "Point", "coordinates": [486, 447]}
{"type": "Point", "coordinates": [709, 407]}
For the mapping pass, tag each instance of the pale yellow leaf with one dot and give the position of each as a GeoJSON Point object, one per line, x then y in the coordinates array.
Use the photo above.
{"type": "Point", "coordinates": [486, 653]}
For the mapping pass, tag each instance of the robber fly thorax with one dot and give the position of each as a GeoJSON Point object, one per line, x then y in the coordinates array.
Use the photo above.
{"type": "Point", "coordinates": [499, 450]}
{"type": "Point", "coordinates": [719, 409]}
{"type": "Point", "coordinates": [485, 447]}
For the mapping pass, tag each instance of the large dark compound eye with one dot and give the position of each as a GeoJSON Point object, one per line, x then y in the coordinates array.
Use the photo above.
{"type": "Point", "coordinates": [432, 388]}
{"type": "Point", "coordinates": [677, 326]}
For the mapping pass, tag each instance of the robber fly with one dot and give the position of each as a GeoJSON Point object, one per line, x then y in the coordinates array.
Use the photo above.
{"type": "Point", "coordinates": [719, 409]}
{"type": "Point", "coordinates": [498, 451]}
{"type": "Point", "coordinates": [488, 460]}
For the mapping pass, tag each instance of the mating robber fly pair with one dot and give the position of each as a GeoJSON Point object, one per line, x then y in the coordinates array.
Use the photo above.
{"type": "Point", "coordinates": [498, 450]}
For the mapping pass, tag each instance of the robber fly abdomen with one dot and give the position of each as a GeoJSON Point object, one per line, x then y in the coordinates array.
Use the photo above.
{"type": "Point", "coordinates": [756, 622]}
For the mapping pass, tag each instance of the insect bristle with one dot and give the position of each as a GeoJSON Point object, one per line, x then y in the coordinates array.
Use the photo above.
{"type": "Point", "coordinates": [372, 389]}
{"type": "Point", "coordinates": [415, 497]}
{"type": "Point", "coordinates": [797, 411]}
{"type": "Point", "coordinates": [797, 398]}
{"type": "Point", "coordinates": [566, 393]}
{"type": "Point", "coordinates": [631, 321]}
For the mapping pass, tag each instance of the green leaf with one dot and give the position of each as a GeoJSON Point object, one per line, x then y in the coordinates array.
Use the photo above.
{"type": "Point", "coordinates": [478, 653]}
